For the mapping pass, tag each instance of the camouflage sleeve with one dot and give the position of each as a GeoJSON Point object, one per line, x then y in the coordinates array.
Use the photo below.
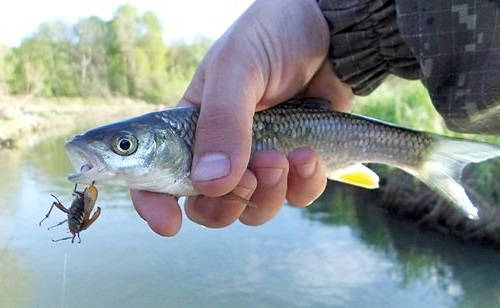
{"type": "Point", "coordinates": [453, 46]}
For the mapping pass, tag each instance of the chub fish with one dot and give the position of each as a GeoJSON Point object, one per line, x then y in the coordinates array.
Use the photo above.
{"type": "Point", "coordinates": [154, 151]}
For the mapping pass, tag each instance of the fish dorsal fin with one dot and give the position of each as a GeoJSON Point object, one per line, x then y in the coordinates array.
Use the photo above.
{"type": "Point", "coordinates": [309, 103]}
{"type": "Point", "coordinates": [357, 175]}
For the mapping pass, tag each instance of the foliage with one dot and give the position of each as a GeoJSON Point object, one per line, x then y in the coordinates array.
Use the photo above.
{"type": "Point", "coordinates": [90, 57]}
{"type": "Point", "coordinates": [44, 63]}
{"type": "Point", "coordinates": [4, 69]}
{"type": "Point", "coordinates": [125, 56]}
{"type": "Point", "coordinates": [407, 103]}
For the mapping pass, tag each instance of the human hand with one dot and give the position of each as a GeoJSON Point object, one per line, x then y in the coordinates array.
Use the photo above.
{"type": "Point", "coordinates": [274, 51]}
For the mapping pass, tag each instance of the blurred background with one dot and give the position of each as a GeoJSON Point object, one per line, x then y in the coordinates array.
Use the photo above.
{"type": "Point", "coordinates": [67, 66]}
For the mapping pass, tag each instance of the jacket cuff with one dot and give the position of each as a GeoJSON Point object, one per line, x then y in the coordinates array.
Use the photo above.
{"type": "Point", "coordinates": [365, 43]}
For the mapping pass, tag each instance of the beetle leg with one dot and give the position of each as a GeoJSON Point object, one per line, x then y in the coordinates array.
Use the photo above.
{"type": "Point", "coordinates": [47, 215]}
{"type": "Point", "coordinates": [61, 207]}
{"type": "Point", "coordinates": [79, 239]}
{"type": "Point", "coordinates": [88, 222]}
{"type": "Point", "coordinates": [63, 239]}
{"type": "Point", "coordinates": [58, 205]}
{"type": "Point", "coordinates": [57, 224]}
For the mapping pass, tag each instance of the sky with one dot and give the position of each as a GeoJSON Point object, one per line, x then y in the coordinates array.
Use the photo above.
{"type": "Point", "coordinates": [181, 20]}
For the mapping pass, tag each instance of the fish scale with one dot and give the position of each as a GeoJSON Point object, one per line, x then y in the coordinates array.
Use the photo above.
{"type": "Point", "coordinates": [340, 139]}
{"type": "Point", "coordinates": [163, 141]}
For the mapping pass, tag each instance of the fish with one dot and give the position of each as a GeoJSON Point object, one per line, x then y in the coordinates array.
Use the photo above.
{"type": "Point", "coordinates": [153, 151]}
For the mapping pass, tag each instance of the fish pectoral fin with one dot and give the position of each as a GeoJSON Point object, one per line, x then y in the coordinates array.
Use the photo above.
{"type": "Point", "coordinates": [357, 175]}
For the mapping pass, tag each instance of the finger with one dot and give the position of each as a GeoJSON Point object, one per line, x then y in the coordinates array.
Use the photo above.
{"type": "Point", "coordinates": [327, 85]}
{"type": "Point", "coordinates": [306, 178]}
{"type": "Point", "coordinates": [221, 211]}
{"type": "Point", "coordinates": [271, 169]}
{"type": "Point", "coordinates": [160, 211]}
{"type": "Point", "coordinates": [231, 87]}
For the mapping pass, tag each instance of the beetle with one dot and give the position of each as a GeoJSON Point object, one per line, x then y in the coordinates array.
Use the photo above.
{"type": "Point", "coordinates": [78, 213]}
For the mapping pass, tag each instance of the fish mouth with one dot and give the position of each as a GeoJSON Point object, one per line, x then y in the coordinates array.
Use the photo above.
{"type": "Point", "coordinates": [87, 165]}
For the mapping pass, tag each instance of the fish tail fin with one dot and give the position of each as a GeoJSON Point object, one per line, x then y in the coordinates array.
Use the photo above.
{"type": "Point", "coordinates": [442, 170]}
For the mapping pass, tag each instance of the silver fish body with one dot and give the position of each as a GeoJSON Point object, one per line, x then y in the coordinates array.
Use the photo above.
{"type": "Point", "coordinates": [160, 152]}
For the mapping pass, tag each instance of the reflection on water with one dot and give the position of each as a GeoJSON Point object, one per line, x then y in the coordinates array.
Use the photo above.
{"type": "Point", "coordinates": [16, 286]}
{"type": "Point", "coordinates": [468, 272]}
{"type": "Point", "coordinates": [340, 252]}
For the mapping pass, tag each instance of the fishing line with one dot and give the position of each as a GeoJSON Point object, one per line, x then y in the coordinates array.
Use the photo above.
{"type": "Point", "coordinates": [63, 292]}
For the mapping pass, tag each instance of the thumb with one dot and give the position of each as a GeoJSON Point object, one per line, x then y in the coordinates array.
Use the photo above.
{"type": "Point", "coordinates": [227, 93]}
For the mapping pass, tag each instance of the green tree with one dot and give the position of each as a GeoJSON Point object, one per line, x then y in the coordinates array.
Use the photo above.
{"type": "Point", "coordinates": [151, 74]}
{"type": "Point", "coordinates": [182, 61]}
{"type": "Point", "coordinates": [124, 56]}
{"type": "Point", "coordinates": [44, 64]}
{"type": "Point", "coordinates": [121, 52]}
{"type": "Point", "coordinates": [90, 56]}
{"type": "Point", "coordinates": [29, 73]}
{"type": "Point", "coordinates": [4, 71]}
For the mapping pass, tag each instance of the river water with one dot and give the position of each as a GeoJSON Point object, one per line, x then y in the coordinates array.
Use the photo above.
{"type": "Point", "coordinates": [338, 253]}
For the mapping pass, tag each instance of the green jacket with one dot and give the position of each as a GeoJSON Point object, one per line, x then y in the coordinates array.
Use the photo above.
{"type": "Point", "coordinates": [452, 46]}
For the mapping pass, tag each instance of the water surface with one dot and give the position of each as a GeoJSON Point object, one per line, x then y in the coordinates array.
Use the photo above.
{"type": "Point", "coordinates": [338, 253]}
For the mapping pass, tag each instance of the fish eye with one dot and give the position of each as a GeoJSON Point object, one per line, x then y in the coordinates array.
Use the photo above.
{"type": "Point", "coordinates": [125, 144]}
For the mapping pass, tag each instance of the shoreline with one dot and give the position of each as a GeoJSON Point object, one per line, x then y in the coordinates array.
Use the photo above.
{"type": "Point", "coordinates": [26, 122]}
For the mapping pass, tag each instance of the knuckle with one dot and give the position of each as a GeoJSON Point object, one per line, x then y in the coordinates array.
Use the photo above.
{"type": "Point", "coordinates": [269, 159]}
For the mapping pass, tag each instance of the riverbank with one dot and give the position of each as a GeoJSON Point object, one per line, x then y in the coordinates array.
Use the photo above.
{"type": "Point", "coordinates": [26, 122]}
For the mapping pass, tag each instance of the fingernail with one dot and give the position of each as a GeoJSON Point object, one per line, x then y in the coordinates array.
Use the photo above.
{"type": "Point", "coordinates": [306, 170]}
{"type": "Point", "coordinates": [243, 192]}
{"type": "Point", "coordinates": [211, 166]}
{"type": "Point", "coordinates": [269, 177]}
